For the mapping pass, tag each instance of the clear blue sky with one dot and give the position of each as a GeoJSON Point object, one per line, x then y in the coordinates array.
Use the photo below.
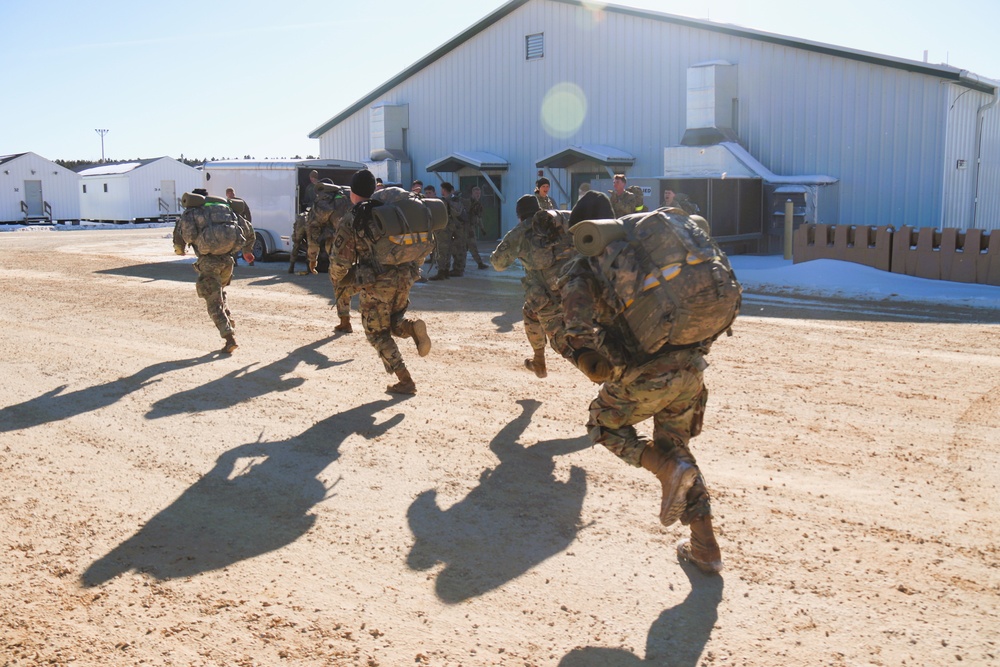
{"type": "Point", "coordinates": [227, 78]}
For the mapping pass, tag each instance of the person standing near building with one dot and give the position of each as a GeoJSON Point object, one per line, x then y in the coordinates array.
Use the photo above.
{"type": "Point", "coordinates": [624, 201]}
{"type": "Point", "coordinates": [384, 290]}
{"type": "Point", "coordinates": [309, 196]}
{"type": "Point", "coordinates": [474, 223]}
{"type": "Point", "coordinates": [450, 242]}
{"type": "Point", "coordinates": [545, 202]}
{"type": "Point", "coordinates": [679, 200]}
{"type": "Point", "coordinates": [227, 233]}
{"type": "Point", "coordinates": [636, 385]}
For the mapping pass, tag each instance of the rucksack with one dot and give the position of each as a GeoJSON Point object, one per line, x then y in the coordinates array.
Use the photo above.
{"type": "Point", "coordinates": [672, 283]}
{"type": "Point", "coordinates": [212, 227]}
{"type": "Point", "coordinates": [401, 230]}
{"type": "Point", "coordinates": [330, 199]}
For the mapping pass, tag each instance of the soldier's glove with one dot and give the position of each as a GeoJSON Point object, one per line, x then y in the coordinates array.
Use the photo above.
{"type": "Point", "coordinates": [178, 250]}
{"type": "Point", "coordinates": [593, 365]}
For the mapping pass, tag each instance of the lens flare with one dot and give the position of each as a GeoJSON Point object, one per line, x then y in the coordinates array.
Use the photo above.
{"type": "Point", "coordinates": [564, 110]}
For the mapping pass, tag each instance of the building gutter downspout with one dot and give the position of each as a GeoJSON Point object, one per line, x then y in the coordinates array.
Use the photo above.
{"type": "Point", "coordinates": [979, 145]}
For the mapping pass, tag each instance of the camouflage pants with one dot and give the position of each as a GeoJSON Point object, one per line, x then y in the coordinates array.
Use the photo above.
{"type": "Point", "coordinates": [670, 389]}
{"type": "Point", "coordinates": [470, 244]}
{"type": "Point", "coordinates": [318, 237]}
{"type": "Point", "coordinates": [383, 305]}
{"type": "Point", "coordinates": [543, 319]}
{"type": "Point", "coordinates": [342, 295]}
{"type": "Point", "coordinates": [450, 250]}
{"type": "Point", "coordinates": [215, 272]}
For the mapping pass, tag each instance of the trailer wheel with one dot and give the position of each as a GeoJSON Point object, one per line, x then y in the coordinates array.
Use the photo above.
{"type": "Point", "coordinates": [259, 248]}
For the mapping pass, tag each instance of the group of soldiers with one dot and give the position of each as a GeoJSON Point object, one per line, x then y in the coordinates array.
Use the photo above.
{"type": "Point", "coordinates": [567, 306]}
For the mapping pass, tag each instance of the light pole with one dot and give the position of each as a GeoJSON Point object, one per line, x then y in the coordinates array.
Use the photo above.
{"type": "Point", "coordinates": [102, 133]}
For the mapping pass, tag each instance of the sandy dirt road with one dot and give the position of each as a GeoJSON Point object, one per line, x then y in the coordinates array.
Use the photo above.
{"type": "Point", "coordinates": [164, 505]}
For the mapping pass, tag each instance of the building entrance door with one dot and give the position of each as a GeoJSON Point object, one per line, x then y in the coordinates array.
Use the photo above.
{"type": "Point", "coordinates": [33, 198]}
{"type": "Point", "coordinates": [491, 203]}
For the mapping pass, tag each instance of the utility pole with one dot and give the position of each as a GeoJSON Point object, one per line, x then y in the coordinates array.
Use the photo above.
{"type": "Point", "coordinates": [102, 133]}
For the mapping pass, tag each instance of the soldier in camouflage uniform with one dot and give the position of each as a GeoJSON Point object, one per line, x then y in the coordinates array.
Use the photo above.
{"type": "Point", "coordinates": [215, 271]}
{"type": "Point", "coordinates": [625, 201]}
{"type": "Point", "coordinates": [299, 242]}
{"type": "Point", "coordinates": [543, 244]}
{"type": "Point", "coordinates": [451, 242]}
{"type": "Point", "coordinates": [384, 290]}
{"type": "Point", "coordinates": [545, 202]}
{"type": "Point", "coordinates": [474, 223]}
{"type": "Point", "coordinates": [679, 200]}
{"type": "Point", "coordinates": [666, 386]}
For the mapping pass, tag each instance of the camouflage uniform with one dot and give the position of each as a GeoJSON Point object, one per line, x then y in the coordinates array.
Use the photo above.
{"type": "Point", "coordinates": [629, 201]}
{"type": "Point", "coordinates": [452, 242]}
{"type": "Point", "coordinates": [215, 271]}
{"type": "Point", "coordinates": [667, 385]}
{"type": "Point", "coordinates": [474, 221]}
{"type": "Point", "coordinates": [545, 202]}
{"type": "Point", "coordinates": [298, 240]}
{"type": "Point", "coordinates": [384, 291]}
{"type": "Point", "coordinates": [543, 256]}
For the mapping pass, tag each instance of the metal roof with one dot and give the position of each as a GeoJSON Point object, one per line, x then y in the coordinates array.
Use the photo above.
{"type": "Point", "coordinates": [947, 72]}
{"type": "Point", "coordinates": [603, 155]}
{"type": "Point", "coordinates": [476, 159]}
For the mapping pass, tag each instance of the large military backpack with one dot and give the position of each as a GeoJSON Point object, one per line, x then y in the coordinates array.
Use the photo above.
{"type": "Point", "coordinates": [330, 199]}
{"type": "Point", "coordinates": [211, 226]}
{"type": "Point", "coordinates": [401, 230]}
{"type": "Point", "coordinates": [672, 283]}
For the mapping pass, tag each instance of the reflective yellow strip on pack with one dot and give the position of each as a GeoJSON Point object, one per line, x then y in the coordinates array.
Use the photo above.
{"type": "Point", "coordinates": [410, 239]}
{"type": "Point", "coordinates": [669, 272]}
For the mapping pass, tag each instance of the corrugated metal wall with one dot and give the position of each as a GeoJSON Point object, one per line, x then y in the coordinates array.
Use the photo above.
{"type": "Point", "coordinates": [988, 208]}
{"type": "Point", "coordinates": [881, 130]}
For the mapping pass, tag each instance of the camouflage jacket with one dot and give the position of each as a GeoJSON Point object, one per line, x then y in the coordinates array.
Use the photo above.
{"type": "Point", "coordinates": [542, 254]}
{"type": "Point", "coordinates": [592, 318]}
{"type": "Point", "coordinates": [352, 249]}
{"type": "Point", "coordinates": [545, 202]}
{"type": "Point", "coordinates": [474, 212]}
{"type": "Point", "coordinates": [625, 203]}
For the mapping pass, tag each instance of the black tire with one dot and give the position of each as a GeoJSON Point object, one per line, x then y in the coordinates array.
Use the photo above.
{"type": "Point", "coordinates": [259, 248]}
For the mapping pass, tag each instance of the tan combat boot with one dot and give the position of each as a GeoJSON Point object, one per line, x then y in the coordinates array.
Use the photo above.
{"type": "Point", "coordinates": [537, 364]}
{"type": "Point", "coordinates": [417, 330]}
{"type": "Point", "coordinates": [405, 384]}
{"type": "Point", "coordinates": [230, 345]}
{"type": "Point", "coordinates": [676, 476]}
{"type": "Point", "coordinates": [345, 325]}
{"type": "Point", "coordinates": [701, 549]}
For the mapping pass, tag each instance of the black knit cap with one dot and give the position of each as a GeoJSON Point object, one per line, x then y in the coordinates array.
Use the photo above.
{"type": "Point", "coordinates": [526, 207]}
{"type": "Point", "coordinates": [593, 205]}
{"type": "Point", "coordinates": [542, 181]}
{"type": "Point", "coordinates": [363, 183]}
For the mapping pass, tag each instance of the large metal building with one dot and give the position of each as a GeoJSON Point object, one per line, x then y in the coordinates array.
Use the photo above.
{"type": "Point", "coordinates": [739, 119]}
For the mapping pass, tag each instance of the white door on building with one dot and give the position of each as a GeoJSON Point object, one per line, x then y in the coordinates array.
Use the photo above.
{"type": "Point", "coordinates": [33, 197]}
{"type": "Point", "coordinates": [168, 193]}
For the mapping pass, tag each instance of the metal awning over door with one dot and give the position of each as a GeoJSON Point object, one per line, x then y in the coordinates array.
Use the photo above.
{"type": "Point", "coordinates": [480, 161]}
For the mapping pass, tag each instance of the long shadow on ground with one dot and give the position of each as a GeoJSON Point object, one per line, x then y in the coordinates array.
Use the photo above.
{"type": "Point", "coordinates": [676, 639]}
{"type": "Point", "coordinates": [256, 499]}
{"type": "Point", "coordinates": [516, 518]}
{"type": "Point", "coordinates": [54, 405]}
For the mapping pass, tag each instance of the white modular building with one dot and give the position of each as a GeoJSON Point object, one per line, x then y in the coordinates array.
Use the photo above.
{"type": "Point", "coordinates": [36, 190]}
{"type": "Point", "coordinates": [136, 191]}
{"type": "Point", "coordinates": [738, 119]}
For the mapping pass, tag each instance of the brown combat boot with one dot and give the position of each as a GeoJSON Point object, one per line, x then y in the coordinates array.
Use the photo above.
{"type": "Point", "coordinates": [537, 364]}
{"type": "Point", "coordinates": [405, 384]}
{"type": "Point", "coordinates": [345, 325]}
{"type": "Point", "coordinates": [420, 337]}
{"type": "Point", "coordinates": [230, 345]}
{"type": "Point", "coordinates": [701, 549]}
{"type": "Point", "coordinates": [676, 476]}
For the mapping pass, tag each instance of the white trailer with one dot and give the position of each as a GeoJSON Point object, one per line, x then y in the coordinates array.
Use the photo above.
{"type": "Point", "coordinates": [138, 191]}
{"type": "Point", "coordinates": [272, 189]}
{"type": "Point", "coordinates": [36, 190]}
